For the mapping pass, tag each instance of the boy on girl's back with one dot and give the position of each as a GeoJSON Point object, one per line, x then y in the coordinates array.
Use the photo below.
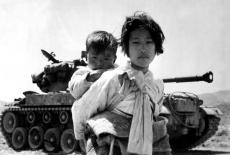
{"type": "Point", "coordinates": [130, 93]}
{"type": "Point", "coordinates": [101, 48]}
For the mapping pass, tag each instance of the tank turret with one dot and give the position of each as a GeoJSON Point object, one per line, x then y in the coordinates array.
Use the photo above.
{"type": "Point", "coordinates": [55, 76]}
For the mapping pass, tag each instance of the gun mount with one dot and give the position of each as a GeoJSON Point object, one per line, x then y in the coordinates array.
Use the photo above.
{"type": "Point", "coordinates": [55, 77]}
{"type": "Point", "coordinates": [207, 77]}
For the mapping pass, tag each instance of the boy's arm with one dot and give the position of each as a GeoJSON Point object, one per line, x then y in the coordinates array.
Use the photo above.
{"type": "Point", "coordinates": [94, 75]}
{"type": "Point", "coordinates": [92, 102]}
{"type": "Point", "coordinates": [78, 84]}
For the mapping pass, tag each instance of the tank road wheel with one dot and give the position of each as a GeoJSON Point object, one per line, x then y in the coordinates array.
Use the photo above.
{"type": "Point", "coordinates": [31, 117]}
{"type": "Point", "coordinates": [46, 117]}
{"type": "Point", "coordinates": [68, 142]}
{"type": "Point", "coordinates": [35, 137]}
{"type": "Point", "coordinates": [19, 138]}
{"type": "Point", "coordinates": [10, 122]}
{"type": "Point", "coordinates": [63, 117]}
{"type": "Point", "coordinates": [51, 140]}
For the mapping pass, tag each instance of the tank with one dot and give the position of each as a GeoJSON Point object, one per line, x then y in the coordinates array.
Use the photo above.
{"type": "Point", "coordinates": [190, 122]}
{"type": "Point", "coordinates": [44, 121]}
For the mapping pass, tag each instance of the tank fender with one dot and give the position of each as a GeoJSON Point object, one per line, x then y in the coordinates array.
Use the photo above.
{"type": "Point", "coordinates": [165, 110]}
{"type": "Point", "coordinates": [211, 111]}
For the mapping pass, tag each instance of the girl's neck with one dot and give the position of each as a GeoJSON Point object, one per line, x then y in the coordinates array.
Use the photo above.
{"type": "Point", "coordinates": [143, 69]}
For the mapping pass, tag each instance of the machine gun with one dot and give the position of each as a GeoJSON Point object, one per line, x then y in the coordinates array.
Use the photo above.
{"type": "Point", "coordinates": [50, 56]}
{"type": "Point", "coordinates": [55, 76]}
{"type": "Point", "coordinates": [81, 62]}
{"type": "Point", "coordinates": [207, 77]}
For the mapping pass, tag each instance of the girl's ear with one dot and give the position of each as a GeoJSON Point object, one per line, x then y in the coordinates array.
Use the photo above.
{"type": "Point", "coordinates": [84, 54]}
{"type": "Point", "coordinates": [157, 53]}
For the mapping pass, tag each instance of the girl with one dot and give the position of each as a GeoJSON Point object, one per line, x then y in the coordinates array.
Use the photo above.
{"type": "Point", "coordinates": [127, 100]}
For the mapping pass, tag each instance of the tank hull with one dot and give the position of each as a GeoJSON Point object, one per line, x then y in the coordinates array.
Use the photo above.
{"type": "Point", "coordinates": [44, 121]}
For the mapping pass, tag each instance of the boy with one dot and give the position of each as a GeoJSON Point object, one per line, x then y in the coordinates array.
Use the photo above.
{"type": "Point", "coordinates": [101, 48]}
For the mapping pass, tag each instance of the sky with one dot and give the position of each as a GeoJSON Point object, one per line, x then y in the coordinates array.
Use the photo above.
{"type": "Point", "coordinates": [197, 38]}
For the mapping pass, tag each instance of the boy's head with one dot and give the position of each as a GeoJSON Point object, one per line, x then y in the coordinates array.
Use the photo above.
{"type": "Point", "coordinates": [101, 48]}
{"type": "Point", "coordinates": [141, 20]}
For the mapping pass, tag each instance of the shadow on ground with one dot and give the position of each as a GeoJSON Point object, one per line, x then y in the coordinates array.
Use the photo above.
{"type": "Point", "coordinates": [202, 152]}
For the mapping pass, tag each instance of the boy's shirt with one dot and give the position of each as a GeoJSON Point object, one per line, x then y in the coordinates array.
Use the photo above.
{"type": "Point", "coordinates": [78, 84]}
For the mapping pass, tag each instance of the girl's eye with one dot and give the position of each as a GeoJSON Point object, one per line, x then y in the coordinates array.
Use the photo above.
{"type": "Point", "coordinates": [149, 42]}
{"type": "Point", "coordinates": [135, 42]}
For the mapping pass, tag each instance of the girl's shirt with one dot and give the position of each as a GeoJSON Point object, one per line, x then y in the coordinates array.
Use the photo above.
{"type": "Point", "coordinates": [127, 91]}
{"type": "Point", "coordinates": [127, 104]}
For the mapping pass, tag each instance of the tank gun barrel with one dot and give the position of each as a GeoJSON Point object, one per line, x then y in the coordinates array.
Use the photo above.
{"type": "Point", "coordinates": [207, 77]}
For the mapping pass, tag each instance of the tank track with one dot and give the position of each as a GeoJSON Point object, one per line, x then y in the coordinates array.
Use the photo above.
{"type": "Point", "coordinates": [213, 123]}
{"type": "Point", "coordinates": [209, 131]}
{"type": "Point", "coordinates": [4, 133]}
{"type": "Point", "coordinates": [25, 109]}
{"type": "Point", "coordinates": [192, 141]}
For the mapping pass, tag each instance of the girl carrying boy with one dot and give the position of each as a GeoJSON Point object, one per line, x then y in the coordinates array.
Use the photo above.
{"type": "Point", "coordinates": [126, 102]}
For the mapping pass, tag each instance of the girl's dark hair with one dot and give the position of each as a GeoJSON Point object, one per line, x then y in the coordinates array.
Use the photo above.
{"type": "Point", "coordinates": [99, 41]}
{"type": "Point", "coordinates": [141, 19]}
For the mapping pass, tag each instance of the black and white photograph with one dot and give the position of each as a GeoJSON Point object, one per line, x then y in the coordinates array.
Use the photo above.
{"type": "Point", "coordinates": [106, 77]}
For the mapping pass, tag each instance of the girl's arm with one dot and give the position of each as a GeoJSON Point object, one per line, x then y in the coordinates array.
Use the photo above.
{"type": "Point", "coordinates": [161, 93]}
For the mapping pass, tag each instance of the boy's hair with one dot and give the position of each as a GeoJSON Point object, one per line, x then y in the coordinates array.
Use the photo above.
{"type": "Point", "coordinates": [99, 41]}
{"type": "Point", "coordinates": [141, 20]}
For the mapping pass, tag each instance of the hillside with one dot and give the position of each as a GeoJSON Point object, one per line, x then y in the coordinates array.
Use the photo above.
{"type": "Point", "coordinates": [221, 100]}
{"type": "Point", "coordinates": [2, 103]}
{"type": "Point", "coordinates": [214, 99]}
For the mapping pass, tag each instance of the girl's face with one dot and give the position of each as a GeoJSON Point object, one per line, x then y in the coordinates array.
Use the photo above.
{"type": "Point", "coordinates": [141, 48]}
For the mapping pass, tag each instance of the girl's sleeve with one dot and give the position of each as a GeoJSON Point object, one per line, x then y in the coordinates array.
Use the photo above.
{"type": "Point", "coordinates": [161, 93]}
{"type": "Point", "coordinates": [78, 84]}
{"type": "Point", "coordinates": [93, 101]}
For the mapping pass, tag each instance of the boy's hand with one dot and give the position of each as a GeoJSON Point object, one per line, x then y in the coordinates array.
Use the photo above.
{"type": "Point", "coordinates": [94, 75]}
